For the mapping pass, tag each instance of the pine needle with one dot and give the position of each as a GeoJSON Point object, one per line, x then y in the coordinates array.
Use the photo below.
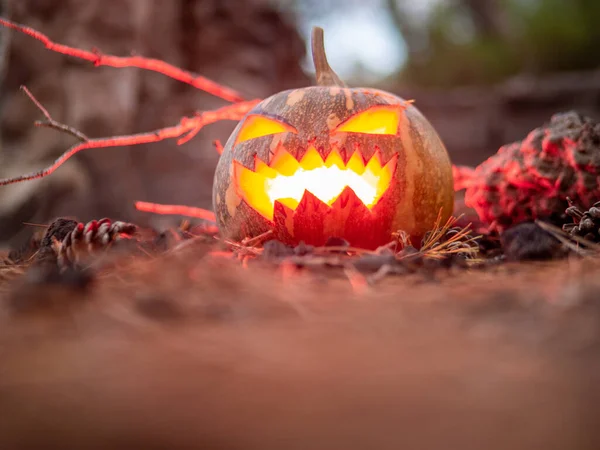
{"type": "Point", "coordinates": [460, 243]}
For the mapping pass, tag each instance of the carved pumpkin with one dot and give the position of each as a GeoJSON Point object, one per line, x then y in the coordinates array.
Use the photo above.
{"type": "Point", "coordinates": [331, 161]}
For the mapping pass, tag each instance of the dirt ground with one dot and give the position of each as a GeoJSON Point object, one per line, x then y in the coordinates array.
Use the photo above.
{"type": "Point", "coordinates": [186, 351]}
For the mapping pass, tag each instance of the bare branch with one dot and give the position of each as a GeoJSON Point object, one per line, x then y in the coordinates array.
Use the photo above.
{"type": "Point", "coordinates": [50, 122]}
{"type": "Point", "coordinates": [154, 65]}
{"type": "Point", "coordinates": [186, 125]}
{"type": "Point", "coordinates": [179, 210]}
{"type": "Point", "coordinates": [218, 146]}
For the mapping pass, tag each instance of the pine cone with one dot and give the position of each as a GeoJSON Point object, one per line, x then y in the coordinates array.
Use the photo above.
{"type": "Point", "coordinates": [586, 223]}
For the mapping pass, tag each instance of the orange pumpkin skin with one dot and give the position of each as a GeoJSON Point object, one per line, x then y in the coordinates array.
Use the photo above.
{"type": "Point", "coordinates": [421, 184]}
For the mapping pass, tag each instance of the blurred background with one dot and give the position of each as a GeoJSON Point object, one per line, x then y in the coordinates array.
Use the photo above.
{"type": "Point", "coordinates": [485, 72]}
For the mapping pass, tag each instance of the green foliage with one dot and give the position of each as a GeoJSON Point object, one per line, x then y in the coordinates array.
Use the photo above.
{"type": "Point", "coordinates": [540, 36]}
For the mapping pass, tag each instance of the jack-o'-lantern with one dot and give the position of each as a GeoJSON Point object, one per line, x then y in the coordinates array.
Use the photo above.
{"type": "Point", "coordinates": [332, 161]}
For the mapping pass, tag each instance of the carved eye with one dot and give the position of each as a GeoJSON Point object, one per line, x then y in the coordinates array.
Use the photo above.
{"type": "Point", "coordinates": [376, 120]}
{"type": "Point", "coordinates": [257, 126]}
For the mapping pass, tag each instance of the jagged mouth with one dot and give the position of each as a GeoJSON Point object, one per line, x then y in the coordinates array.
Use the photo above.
{"type": "Point", "coordinates": [287, 180]}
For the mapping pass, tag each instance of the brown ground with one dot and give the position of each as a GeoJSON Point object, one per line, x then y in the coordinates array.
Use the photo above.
{"type": "Point", "coordinates": [183, 352]}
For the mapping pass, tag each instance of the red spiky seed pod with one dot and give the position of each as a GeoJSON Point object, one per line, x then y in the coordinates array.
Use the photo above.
{"type": "Point", "coordinates": [532, 179]}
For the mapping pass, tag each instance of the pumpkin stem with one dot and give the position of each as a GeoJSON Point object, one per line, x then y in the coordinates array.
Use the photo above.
{"type": "Point", "coordinates": [325, 74]}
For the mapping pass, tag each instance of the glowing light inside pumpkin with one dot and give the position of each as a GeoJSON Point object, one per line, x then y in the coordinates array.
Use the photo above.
{"type": "Point", "coordinates": [376, 120]}
{"type": "Point", "coordinates": [286, 179]}
{"type": "Point", "coordinates": [258, 126]}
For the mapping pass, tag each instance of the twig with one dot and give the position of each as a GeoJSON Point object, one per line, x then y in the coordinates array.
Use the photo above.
{"type": "Point", "coordinates": [187, 124]}
{"type": "Point", "coordinates": [358, 281]}
{"type": "Point", "coordinates": [50, 122]}
{"type": "Point", "coordinates": [438, 231]}
{"type": "Point", "coordinates": [37, 103]}
{"type": "Point", "coordinates": [566, 238]}
{"type": "Point", "coordinates": [218, 146]}
{"type": "Point", "coordinates": [179, 210]}
{"type": "Point", "coordinates": [40, 225]}
{"type": "Point", "coordinates": [433, 248]}
{"type": "Point", "coordinates": [345, 249]}
{"type": "Point", "coordinates": [250, 242]}
{"type": "Point", "coordinates": [381, 273]}
{"type": "Point", "coordinates": [154, 65]}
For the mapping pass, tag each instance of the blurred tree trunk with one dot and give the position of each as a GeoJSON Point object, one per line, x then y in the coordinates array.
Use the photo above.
{"type": "Point", "coordinates": [414, 36]}
{"type": "Point", "coordinates": [248, 46]}
{"type": "Point", "coordinates": [488, 16]}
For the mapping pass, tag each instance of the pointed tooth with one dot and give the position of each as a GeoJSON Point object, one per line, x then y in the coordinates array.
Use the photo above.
{"type": "Point", "coordinates": [391, 164]}
{"type": "Point", "coordinates": [347, 152]}
{"type": "Point", "coordinates": [374, 164]}
{"type": "Point", "coordinates": [391, 161]}
{"type": "Point", "coordinates": [354, 221]}
{"type": "Point", "coordinates": [310, 203]}
{"type": "Point", "coordinates": [284, 163]}
{"type": "Point", "coordinates": [344, 155]}
{"type": "Point", "coordinates": [347, 201]}
{"type": "Point", "coordinates": [341, 210]}
{"type": "Point", "coordinates": [308, 220]}
{"type": "Point", "coordinates": [289, 202]}
{"type": "Point", "coordinates": [311, 159]}
{"type": "Point", "coordinates": [252, 189]}
{"type": "Point", "coordinates": [356, 163]}
{"type": "Point", "coordinates": [385, 176]}
{"type": "Point", "coordinates": [386, 160]}
{"type": "Point", "coordinates": [263, 169]}
{"type": "Point", "coordinates": [257, 162]}
{"type": "Point", "coordinates": [364, 227]}
{"type": "Point", "coordinates": [283, 218]}
{"type": "Point", "coordinates": [334, 159]}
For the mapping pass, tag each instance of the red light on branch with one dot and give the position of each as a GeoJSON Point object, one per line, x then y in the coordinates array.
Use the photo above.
{"type": "Point", "coordinates": [186, 125]}
{"type": "Point", "coordinates": [180, 210]}
{"type": "Point", "coordinates": [154, 65]}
